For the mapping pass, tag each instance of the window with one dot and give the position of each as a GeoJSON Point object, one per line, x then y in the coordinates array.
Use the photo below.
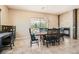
{"type": "Point", "coordinates": [39, 24]}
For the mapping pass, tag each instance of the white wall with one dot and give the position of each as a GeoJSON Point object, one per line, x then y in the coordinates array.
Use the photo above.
{"type": "Point", "coordinates": [66, 20]}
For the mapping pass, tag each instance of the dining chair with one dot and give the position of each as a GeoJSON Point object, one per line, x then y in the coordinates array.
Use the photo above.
{"type": "Point", "coordinates": [49, 38]}
{"type": "Point", "coordinates": [56, 35]}
{"type": "Point", "coordinates": [62, 33]}
{"type": "Point", "coordinates": [33, 39]}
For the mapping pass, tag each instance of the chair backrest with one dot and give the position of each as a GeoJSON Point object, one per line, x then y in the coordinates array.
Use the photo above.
{"type": "Point", "coordinates": [53, 34]}
{"type": "Point", "coordinates": [61, 30]}
{"type": "Point", "coordinates": [7, 28]}
{"type": "Point", "coordinates": [31, 35]}
{"type": "Point", "coordinates": [56, 32]}
{"type": "Point", "coordinates": [30, 31]}
{"type": "Point", "coordinates": [67, 31]}
{"type": "Point", "coordinates": [49, 35]}
{"type": "Point", "coordinates": [49, 31]}
{"type": "Point", "coordinates": [53, 31]}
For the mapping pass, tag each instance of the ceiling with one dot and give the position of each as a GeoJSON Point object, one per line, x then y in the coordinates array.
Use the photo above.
{"type": "Point", "coordinates": [54, 9]}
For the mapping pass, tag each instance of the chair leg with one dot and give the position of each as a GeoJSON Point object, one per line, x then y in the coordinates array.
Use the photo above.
{"type": "Point", "coordinates": [38, 42]}
{"type": "Point", "coordinates": [63, 38]}
{"type": "Point", "coordinates": [47, 44]}
{"type": "Point", "coordinates": [53, 43]}
{"type": "Point", "coordinates": [58, 42]}
{"type": "Point", "coordinates": [31, 44]}
{"type": "Point", "coordinates": [11, 46]}
{"type": "Point", "coordinates": [43, 42]}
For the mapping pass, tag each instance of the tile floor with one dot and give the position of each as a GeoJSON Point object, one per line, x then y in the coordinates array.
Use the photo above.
{"type": "Point", "coordinates": [69, 46]}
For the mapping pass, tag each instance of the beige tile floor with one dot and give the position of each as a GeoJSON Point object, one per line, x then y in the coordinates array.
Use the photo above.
{"type": "Point", "coordinates": [69, 46]}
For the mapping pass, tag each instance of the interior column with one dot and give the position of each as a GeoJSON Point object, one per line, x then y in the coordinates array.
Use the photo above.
{"type": "Point", "coordinates": [75, 24]}
{"type": "Point", "coordinates": [58, 21]}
